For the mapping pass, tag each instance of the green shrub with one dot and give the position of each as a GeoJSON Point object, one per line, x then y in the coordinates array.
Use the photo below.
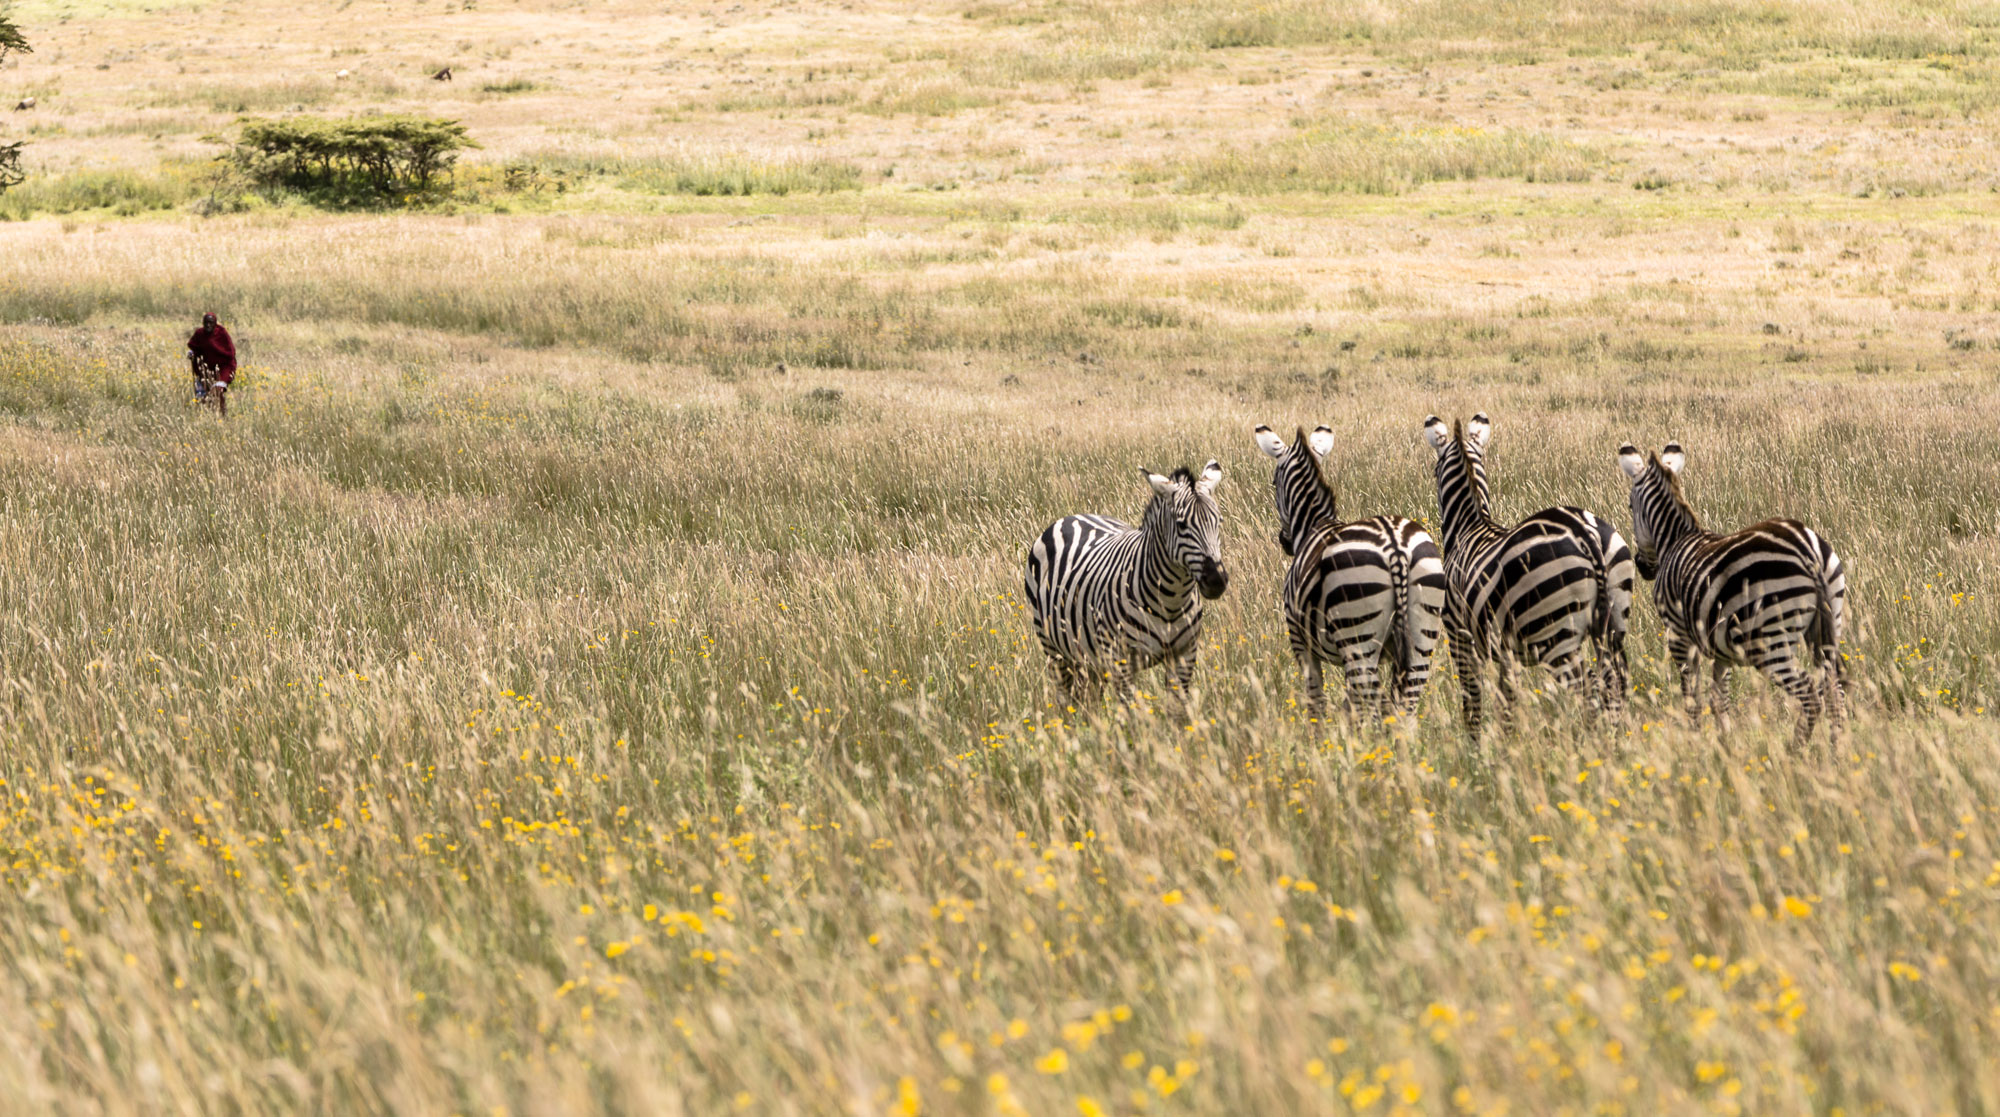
{"type": "Point", "coordinates": [360, 159]}
{"type": "Point", "coordinates": [10, 165]}
{"type": "Point", "coordinates": [10, 153]}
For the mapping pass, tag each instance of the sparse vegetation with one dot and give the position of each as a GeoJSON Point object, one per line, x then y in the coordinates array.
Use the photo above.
{"type": "Point", "coordinates": [1341, 156]}
{"type": "Point", "coordinates": [123, 192]}
{"type": "Point", "coordinates": [291, 95]}
{"type": "Point", "coordinates": [696, 172]}
{"type": "Point", "coordinates": [929, 98]}
{"type": "Point", "coordinates": [729, 174]}
{"type": "Point", "coordinates": [511, 85]}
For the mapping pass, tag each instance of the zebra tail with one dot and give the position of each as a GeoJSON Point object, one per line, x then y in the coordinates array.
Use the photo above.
{"type": "Point", "coordinates": [1600, 554]}
{"type": "Point", "coordinates": [1822, 636]}
{"type": "Point", "coordinates": [1401, 600]}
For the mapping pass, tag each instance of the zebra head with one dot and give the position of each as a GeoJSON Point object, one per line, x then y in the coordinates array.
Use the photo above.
{"type": "Point", "coordinates": [1659, 512]}
{"type": "Point", "coordinates": [1463, 495]}
{"type": "Point", "coordinates": [1184, 505]}
{"type": "Point", "coordinates": [1299, 483]}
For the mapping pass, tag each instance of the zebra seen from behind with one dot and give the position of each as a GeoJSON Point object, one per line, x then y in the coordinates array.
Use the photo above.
{"type": "Point", "coordinates": [1551, 589]}
{"type": "Point", "coordinates": [1360, 594]}
{"type": "Point", "coordinates": [1756, 598]}
{"type": "Point", "coordinates": [1111, 600]}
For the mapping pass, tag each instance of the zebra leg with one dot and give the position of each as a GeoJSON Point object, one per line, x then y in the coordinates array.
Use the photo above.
{"type": "Point", "coordinates": [1121, 681]}
{"type": "Point", "coordinates": [1414, 673]}
{"type": "Point", "coordinates": [1614, 678]}
{"type": "Point", "coordinates": [1575, 675]}
{"type": "Point", "coordinates": [1062, 680]}
{"type": "Point", "coordinates": [1802, 686]}
{"type": "Point", "coordinates": [1410, 684]}
{"type": "Point", "coordinates": [1397, 675]}
{"type": "Point", "coordinates": [1504, 698]}
{"type": "Point", "coordinates": [1834, 694]}
{"type": "Point", "coordinates": [1180, 676]}
{"type": "Point", "coordinates": [1393, 688]}
{"type": "Point", "coordinates": [1315, 686]}
{"type": "Point", "coordinates": [1416, 647]}
{"type": "Point", "coordinates": [1682, 653]}
{"type": "Point", "coordinates": [1086, 685]}
{"type": "Point", "coordinates": [1718, 691]}
{"type": "Point", "coordinates": [1364, 681]}
{"type": "Point", "coordinates": [1465, 661]}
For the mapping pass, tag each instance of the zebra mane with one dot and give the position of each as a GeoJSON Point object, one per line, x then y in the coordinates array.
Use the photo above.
{"type": "Point", "coordinates": [1673, 481]}
{"type": "Point", "coordinates": [1183, 474]}
{"type": "Point", "coordinates": [1465, 461]}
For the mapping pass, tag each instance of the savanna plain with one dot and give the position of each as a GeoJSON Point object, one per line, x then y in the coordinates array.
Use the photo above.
{"type": "Point", "coordinates": [587, 670]}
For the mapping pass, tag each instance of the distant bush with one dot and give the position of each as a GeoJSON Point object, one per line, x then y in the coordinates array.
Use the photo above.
{"type": "Point", "coordinates": [10, 153]}
{"type": "Point", "coordinates": [361, 159]}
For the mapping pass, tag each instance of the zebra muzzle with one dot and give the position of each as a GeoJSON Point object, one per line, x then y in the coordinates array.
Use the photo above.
{"type": "Point", "coordinates": [1214, 579]}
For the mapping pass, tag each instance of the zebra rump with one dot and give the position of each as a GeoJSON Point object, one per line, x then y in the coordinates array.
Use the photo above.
{"type": "Point", "coordinates": [1759, 598]}
{"type": "Point", "coordinates": [1362, 594]}
{"type": "Point", "coordinates": [1551, 589]}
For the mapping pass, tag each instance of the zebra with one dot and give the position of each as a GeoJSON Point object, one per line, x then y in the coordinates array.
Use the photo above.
{"type": "Point", "coordinates": [1755, 599]}
{"type": "Point", "coordinates": [1110, 599]}
{"type": "Point", "coordinates": [1357, 593]}
{"type": "Point", "coordinates": [1546, 590]}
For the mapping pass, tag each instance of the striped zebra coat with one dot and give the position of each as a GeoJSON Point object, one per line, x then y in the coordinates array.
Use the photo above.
{"type": "Point", "coordinates": [1757, 598]}
{"type": "Point", "coordinates": [1551, 589]}
{"type": "Point", "coordinates": [1363, 594]}
{"type": "Point", "coordinates": [1111, 600]}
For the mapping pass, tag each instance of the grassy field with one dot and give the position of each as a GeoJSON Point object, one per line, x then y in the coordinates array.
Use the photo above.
{"type": "Point", "coordinates": [587, 671]}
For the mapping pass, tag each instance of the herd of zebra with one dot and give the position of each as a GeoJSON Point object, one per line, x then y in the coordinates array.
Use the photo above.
{"type": "Point", "coordinates": [1375, 595]}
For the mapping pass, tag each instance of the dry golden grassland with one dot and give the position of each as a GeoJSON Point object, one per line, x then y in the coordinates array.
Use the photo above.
{"type": "Point", "coordinates": [535, 699]}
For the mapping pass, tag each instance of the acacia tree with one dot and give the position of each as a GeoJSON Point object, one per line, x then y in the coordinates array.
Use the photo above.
{"type": "Point", "coordinates": [10, 154]}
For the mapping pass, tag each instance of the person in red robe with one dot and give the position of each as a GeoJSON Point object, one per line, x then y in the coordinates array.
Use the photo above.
{"type": "Point", "coordinates": [212, 356]}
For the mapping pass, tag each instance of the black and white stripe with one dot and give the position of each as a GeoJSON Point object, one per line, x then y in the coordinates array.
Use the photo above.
{"type": "Point", "coordinates": [1360, 594]}
{"type": "Point", "coordinates": [1111, 600]}
{"type": "Point", "coordinates": [1551, 589]}
{"type": "Point", "coordinates": [1757, 598]}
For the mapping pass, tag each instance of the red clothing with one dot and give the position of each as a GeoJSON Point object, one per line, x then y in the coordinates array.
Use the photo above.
{"type": "Point", "coordinates": [215, 351]}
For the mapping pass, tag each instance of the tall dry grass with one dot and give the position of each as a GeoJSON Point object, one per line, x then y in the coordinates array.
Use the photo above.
{"type": "Point", "coordinates": [430, 738]}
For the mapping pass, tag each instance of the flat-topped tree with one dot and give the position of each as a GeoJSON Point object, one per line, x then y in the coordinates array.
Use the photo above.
{"type": "Point", "coordinates": [11, 42]}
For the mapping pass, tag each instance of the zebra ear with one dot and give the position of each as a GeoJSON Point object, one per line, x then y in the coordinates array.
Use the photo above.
{"type": "Point", "coordinates": [1211, 476]}
{"type": "Point", "coordinates": [1161, 485]}
{"type": "Point", "coordinates": [1674, 458]}
{"type": "Point", "coordinates": [1321, 441]}
{"type": "Point", "coordinates": [1437, 434]}
{"type": "Point", "coordinates": [1630, 461]}
{"type": "Point", "coordinates": [1269, 442]}
{"type": "Point", "coordinates": [1479, 432]}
